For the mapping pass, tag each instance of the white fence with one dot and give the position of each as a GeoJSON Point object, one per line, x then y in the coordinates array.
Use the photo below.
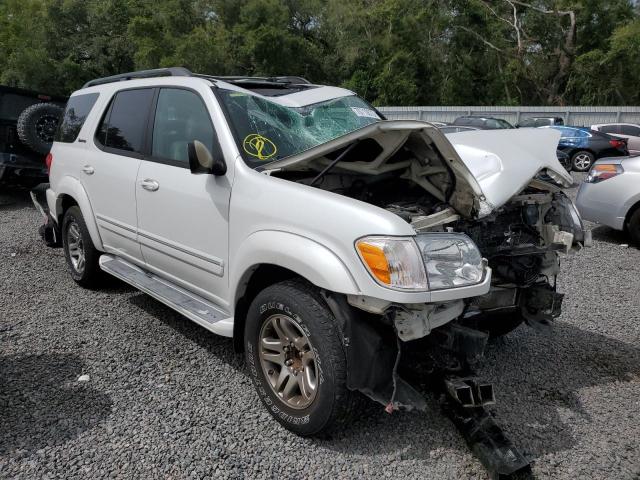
{"type": "Point", "coordinates": [577, 116]}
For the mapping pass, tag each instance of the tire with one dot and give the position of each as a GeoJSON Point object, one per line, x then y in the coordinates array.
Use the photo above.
{"type": "Point", "coordinates": [37, 125]}
{"type": "Point", "coordinates": [496, 324]}
{"type": "Point", "coordinates": [294, 309]}
{"type": "Point", "coordinates": [582, 161]}
{"type": "Point", "coordinates": [79, 251]}
{"type": "Point", "coordinates": [633, 227]}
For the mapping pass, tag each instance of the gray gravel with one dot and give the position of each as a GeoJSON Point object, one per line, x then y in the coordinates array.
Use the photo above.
{"type": "Point", "coordinates": [166, 399]}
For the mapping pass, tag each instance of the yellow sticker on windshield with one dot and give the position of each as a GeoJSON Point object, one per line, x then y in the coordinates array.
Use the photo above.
{"type": "Point", "coordinates": [258, 146]}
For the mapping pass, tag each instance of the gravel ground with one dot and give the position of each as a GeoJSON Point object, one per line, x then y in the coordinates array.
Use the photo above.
{"type": "Point", "coordinates": [166, 399]}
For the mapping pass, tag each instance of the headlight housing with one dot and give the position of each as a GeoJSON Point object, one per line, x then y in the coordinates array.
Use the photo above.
{"type": "Point", "coordinates": [451, 260]}
{"type": "Point", "coordinates": [393, 262]}
{"type": "Point", "coordinates": [431, 261]}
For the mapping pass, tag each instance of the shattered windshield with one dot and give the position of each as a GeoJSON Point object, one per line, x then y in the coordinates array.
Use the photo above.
{"type": "Point", "coordinates": [266, 131]}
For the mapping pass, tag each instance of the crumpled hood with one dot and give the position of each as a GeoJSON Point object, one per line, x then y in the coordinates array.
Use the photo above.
{"type": "Point", "coordinates": [505, 161]}
{"type": "Point", "coordinates": [488, 166]}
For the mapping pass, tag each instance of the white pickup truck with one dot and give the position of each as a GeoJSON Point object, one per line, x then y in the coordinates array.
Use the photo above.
{"type": "Point", "coordinates": [296, 219]}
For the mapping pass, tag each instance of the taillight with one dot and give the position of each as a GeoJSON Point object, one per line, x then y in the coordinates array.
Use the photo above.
{"type": "Point", "coordinates": [602, 171]}
{"type": "Point", "coordinates": [48, 161]}
{"type": "Point", "coordinates": [618, 143]}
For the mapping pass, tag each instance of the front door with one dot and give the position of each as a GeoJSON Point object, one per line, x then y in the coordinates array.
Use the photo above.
{"type": "Point", "coordinates": [183, 218]}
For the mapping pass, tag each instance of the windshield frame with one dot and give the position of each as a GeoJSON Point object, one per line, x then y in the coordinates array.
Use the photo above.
{"type": "Point", "coordinates": [236, 135]}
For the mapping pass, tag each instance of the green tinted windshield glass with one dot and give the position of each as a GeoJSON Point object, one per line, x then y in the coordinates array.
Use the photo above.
{"type": "Point", "coordinates": [266, 131]}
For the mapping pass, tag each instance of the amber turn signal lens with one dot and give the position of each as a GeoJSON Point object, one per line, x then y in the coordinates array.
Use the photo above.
{"type": "Point", "coordinates": [376, 260]}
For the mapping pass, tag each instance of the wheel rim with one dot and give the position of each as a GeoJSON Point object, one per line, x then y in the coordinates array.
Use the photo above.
{"type": "Point", "coordinates": [582, 161]}
{"type": "Point", "coordinates": [46, 127]}
{"type": "Point", "coordinates": [288, 361]}
{"type": "Point", "coordinates": [75, 246]}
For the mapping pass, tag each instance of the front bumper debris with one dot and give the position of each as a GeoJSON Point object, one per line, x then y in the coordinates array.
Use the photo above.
{"type": "Point", "coordinates": [49, 230]}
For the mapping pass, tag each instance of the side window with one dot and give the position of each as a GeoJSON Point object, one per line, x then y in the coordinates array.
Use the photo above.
{"type": "Point", "coordinates": [610, 129]}
{"type": "Point", "coordinates": [181, 117]}
{"type": "Point", "coordinates": [78, 107]}
{"type": "Point", "coordinates": [125, 122]}
{"type": "Point", "coordinates": [630, 130]}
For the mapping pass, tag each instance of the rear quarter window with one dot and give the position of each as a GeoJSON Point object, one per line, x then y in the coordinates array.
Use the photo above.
{"type": "Point", "coordinates": [630, 130]}
{"type": "Point", "coordinates": [75, 114]}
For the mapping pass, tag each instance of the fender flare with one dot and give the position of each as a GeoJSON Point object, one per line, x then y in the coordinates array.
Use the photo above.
{"type": "Point", "coordinates": [72, 187]}
{"type": "Point", "coordinates": [307, 258]}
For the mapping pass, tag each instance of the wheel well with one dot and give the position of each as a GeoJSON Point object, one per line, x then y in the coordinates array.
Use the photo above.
{"type": "Point", "coordinates": [631, 211]}
{"type": "Point", "coordinates": [66, 202]}
{"type": "Point", "coordinates": [253, 282]}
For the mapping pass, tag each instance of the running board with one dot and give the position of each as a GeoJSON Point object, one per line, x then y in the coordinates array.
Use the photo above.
{"type": "Point", "coordinates": [192, 306]}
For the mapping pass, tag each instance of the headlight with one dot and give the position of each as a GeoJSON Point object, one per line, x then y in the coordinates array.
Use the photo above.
{"type": "Point", "coordinates": [603, 171]}
{"type": "Point", "coordinates": [451, 260]}
{"type": "Point", "coordinates": [394, 262]}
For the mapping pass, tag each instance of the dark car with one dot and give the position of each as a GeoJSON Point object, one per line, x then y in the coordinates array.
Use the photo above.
{"type": "Point", "coordinates": [584, 146]}
{"type": "Point", "coordinates": [456, 129]}
{"type": "Point", "coordinates": [28, 121]}
{"type": "Point", "coordinates": [540, 122]}
{"type": "Point", "coordinates": [482, 123]}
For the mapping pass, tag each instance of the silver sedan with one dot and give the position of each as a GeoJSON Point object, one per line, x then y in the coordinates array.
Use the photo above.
{"type": "Point", "coordinates": [610, 195]}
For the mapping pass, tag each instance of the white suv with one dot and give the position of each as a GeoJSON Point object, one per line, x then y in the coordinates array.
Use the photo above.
{"type": "Point", "coordinates": [294, 218]}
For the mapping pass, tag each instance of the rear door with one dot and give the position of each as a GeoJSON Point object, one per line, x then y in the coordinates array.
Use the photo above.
{"type": "Point", "coordinates": [109, 173]}
{"type": "Point", "coordinates": [183, 217]}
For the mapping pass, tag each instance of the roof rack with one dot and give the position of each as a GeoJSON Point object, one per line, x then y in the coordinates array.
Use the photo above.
{"type": "Point", "coordinates": [183, 72]}
{"type": "Point", "coordinates": [274, 80]}
{"type": "Point", "coordinates": [157, 72]}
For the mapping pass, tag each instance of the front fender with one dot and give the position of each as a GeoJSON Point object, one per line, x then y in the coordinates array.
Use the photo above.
{"type": "Point", "coordinates": [72, 187]}
{"type": "Point", "coordinates": [307, 258]}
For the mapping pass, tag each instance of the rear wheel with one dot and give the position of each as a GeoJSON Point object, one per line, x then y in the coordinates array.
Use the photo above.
{"type": "Point", "coordinates": [82, 257]}
{"type": "Point", "coordinates": [633, 227]}
{"type": "Point", "coordinates": [295, 358]}
{"type": "Point", "coordinates": [582, 161]}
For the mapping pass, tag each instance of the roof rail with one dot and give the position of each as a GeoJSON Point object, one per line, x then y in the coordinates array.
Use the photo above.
{"type": "Point", "coordinates": [242, 79]}
{"type": "Point", "coordinates": [158, 72]}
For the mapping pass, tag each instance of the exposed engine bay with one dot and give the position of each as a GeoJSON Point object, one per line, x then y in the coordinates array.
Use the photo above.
{"type": "Point", "coordinates": [521, 238]}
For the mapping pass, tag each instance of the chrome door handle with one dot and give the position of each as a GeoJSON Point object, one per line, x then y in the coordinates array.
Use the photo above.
{"type": "Point", "coordinates": [150, 185]}
{"type": "Point", "coordinates": [88, 169]}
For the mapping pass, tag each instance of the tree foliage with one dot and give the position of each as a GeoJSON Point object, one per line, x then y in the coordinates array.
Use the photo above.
{"type": "Point", "coordinates": [430, 52]}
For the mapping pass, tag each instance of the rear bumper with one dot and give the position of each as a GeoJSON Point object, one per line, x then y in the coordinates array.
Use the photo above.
{"type": "Point", "coordinates": [12, 165]}
{"type": "Point", "coordinates": [49, 230]}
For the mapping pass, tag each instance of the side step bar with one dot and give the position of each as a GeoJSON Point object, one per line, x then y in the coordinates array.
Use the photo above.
{"type": "Point", "coordinates": [192, 306]}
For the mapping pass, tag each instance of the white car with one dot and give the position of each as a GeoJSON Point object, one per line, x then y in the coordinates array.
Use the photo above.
{"type": "Point", "coordinates": [295, 219]}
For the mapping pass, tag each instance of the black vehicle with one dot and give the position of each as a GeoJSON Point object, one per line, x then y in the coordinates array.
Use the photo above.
{"type": "Point", "coordinates": [584, 146]}
{"type": "Point", "coordinates": [482, 123]}
{"type": "Point", "coordinates": [456, 129]}
{"type": "Point", "coordinates": [28, 121]}
{"type": "Point", "coordinates": [540, 122]}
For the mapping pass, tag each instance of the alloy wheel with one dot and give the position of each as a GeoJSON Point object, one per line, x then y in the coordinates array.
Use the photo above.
{"type": "Point", "coordinates": [75, 246]}
{"type": "Point", "coordinates": [582, 161]}
{"type": "Point", "coordinates": [288, 361]}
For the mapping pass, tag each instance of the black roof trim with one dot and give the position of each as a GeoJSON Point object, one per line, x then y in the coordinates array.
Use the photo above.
{"type": "Point", "coordinates": [282, 81]}
{"type": "Point", "coordinates": [158, 72]}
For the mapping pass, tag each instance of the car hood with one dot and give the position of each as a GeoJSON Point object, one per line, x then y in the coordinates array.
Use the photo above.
{"type": "Point", "coordinates": [489, 167]}
{"type": "Point", "coordinates": [504, 162]}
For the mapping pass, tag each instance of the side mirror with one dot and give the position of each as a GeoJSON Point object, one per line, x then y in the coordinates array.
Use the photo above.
{"type": "Point", "coordinates": [201, 160]}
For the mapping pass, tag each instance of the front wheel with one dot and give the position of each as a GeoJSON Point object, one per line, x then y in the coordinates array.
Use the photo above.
{"type": "Point", "coordinates": [295, 358]}
{"type": "Point", "coordinates": [633, 227]}
{"type": "Point", "coordinates": [582, 161]}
